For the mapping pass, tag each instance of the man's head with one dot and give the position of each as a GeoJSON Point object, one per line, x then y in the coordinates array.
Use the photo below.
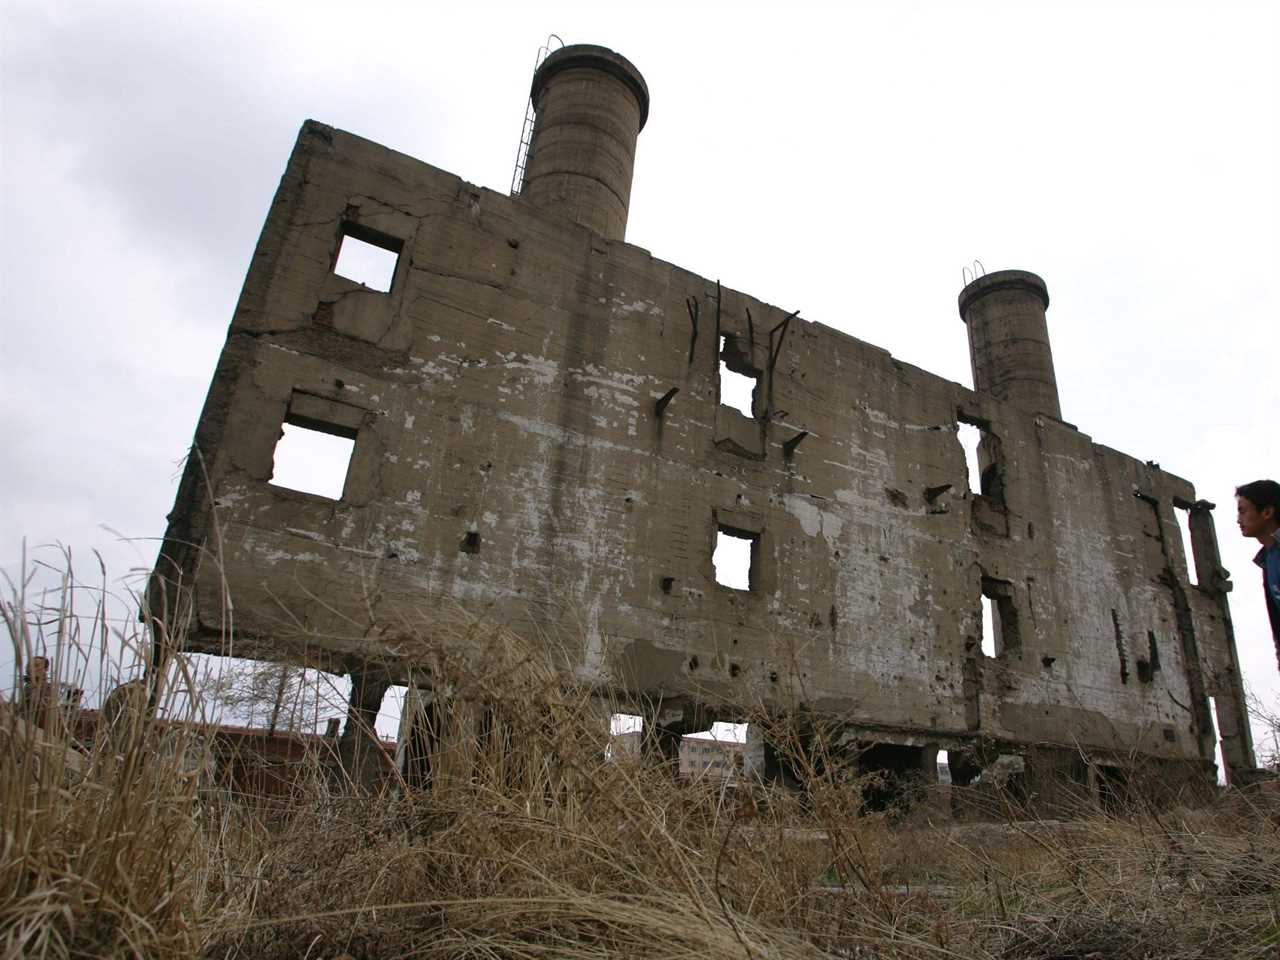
{"type": "Point", "coordinates": [39, 669]}
{"type": "Point", "coordinates": [1258, 509]}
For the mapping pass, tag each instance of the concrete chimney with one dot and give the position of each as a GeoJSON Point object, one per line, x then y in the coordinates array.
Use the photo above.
{"type": "Point", "coordinates": [1009, 340]}
{"type": "Point", "coordinates": [591, 105]}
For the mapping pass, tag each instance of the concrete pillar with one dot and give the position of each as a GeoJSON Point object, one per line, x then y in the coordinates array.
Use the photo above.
{"type": "Point", "coordinates": [358, 748]}
{"type": "Point", "coordinates": [1009, 340]}
{"type": "Point", "coordinates": [591, 105]}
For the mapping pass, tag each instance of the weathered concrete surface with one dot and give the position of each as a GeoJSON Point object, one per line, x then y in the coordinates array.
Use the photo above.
{"type": "Point", "coordinates": [591, 105]}
{"type": "Point", "coordinates": [510, 458]}
{"type": "Point", "coordinates": [1009, 349]}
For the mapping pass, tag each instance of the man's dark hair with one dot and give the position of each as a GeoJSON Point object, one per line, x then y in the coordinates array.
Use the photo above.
{"type": "Point", "coordinates": [1261, 493]}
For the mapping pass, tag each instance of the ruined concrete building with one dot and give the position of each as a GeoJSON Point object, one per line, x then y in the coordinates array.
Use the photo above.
{"type": "Point", "coordinates": [537, 435]}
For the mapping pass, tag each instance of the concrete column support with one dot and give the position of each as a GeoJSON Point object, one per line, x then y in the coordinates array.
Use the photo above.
{"type": "Point", "coordinates": [358, 747]}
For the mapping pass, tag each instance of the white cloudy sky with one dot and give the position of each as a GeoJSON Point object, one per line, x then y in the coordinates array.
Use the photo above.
{"type": "Point", "coordinates": [846, 160]}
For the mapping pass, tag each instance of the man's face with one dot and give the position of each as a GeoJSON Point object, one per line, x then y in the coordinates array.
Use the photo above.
{"type": "Point", "coordinates": [1252, 521]}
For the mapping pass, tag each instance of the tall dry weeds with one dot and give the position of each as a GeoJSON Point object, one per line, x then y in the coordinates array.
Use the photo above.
{"type": "Point", "coordinates": [532, 841]}
{"type": "Point", "coordinates": [103, 847]}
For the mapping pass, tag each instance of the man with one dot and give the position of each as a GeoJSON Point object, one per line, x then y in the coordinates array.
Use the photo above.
{"type": "Point", "coordinates": [1258, 516]}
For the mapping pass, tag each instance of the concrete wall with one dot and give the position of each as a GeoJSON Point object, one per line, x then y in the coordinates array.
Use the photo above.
{"type": "Point", "coordinates": [510, 460]}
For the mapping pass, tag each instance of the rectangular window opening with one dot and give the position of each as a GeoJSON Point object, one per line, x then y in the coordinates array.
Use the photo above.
{"type": "Point", "coordinates": [271, 695]}
{"type": "Point", "coordinates": [388, 724]}
{"type": "Point", "coordinates": [944, 767]}
{"type": "Point", "coordinates": [734, 558]}
{"type": "Point", "coordinates": [1113, 789]}
{"type": "Point", "coordinates": [1001, 635]}
{"type": "Point", "coordinates": [969, 437]}
{"type": "Point", "coordinates": [1188, 549]}
{"type": "Point", "coordinates": [988, 627]}
{"type": "Point", "coordinates": [737, 387]}
{"type": "Point", "coordinates": [367, 257]}
{"type": "Point", "coordinates": [982, 456]}
{"type": "Point", "coordinates": [894, 774]}
{"type": "Point", "coordinates": [313, 458]}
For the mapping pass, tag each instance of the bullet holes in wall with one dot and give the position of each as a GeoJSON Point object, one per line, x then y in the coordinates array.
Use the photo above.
{"type": "Point", "coordinates": [367, 257]}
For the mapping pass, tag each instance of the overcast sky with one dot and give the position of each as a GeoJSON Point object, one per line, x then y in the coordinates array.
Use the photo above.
{"type": "Point", "coordinates": [845, 160]}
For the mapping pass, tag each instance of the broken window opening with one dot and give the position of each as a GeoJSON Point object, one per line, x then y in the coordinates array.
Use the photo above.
{"type": "Point", "coordinates": [1114, 794]}
{"type": "Point", "coordinates": [969, 437]}
{"type": "Point", "coordinates": [1188, 547]}
{"type": "Point", "coordinates": [988, 628]}
{"type": "Point", "coordinates": [734, 558]}
{"type": "Point", "coordinates": [1001, 633]}
{"type": "Point", "coordinates": [944, 767]}
{"type": "Point", "coordinates": [738, 380]}
{"type": "Point", "coordinates": [895, 776]}
{"type": "Point", "coordinates": [367, 257]}
{"type": "Point", "coordinates": [982, 456]}
{"type": "Point", "coordinates": [272, 695]}
{"type": "Point", "coordinates": [416, 739]}
{"type": "Point", "coordinates": [1218, 758]}
{"type": "Point", "coordinates": [313, 457]}
{"type": "Point", "coordinates": [391, 712]}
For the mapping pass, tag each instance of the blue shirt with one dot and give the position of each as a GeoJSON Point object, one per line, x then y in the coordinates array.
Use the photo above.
{"type": "Point", "coordinates": [1268, 558]}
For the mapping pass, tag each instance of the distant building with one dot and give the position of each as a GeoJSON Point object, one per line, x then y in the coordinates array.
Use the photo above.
{"type": "Point", "coordinates": [625, 744]}
{"type": "Point", "coordinates": [716, 759]}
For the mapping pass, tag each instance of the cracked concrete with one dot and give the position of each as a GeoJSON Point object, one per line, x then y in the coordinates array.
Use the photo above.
{"type": "Point", "coordinates": [511, 456]}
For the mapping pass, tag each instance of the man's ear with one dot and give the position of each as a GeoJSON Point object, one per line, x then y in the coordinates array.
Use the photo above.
{"type": "Point", "coordinates": [1268, 513]}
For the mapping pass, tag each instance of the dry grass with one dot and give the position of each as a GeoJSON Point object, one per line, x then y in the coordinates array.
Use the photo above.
{"type": "Point", "coordinates": [532, 843]}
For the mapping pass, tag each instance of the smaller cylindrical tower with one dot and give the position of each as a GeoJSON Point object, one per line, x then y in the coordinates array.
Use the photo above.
{"type": "Point", "coordinates": [1009, 340]}
{"type": "Point", "coordinates": [591, 105]}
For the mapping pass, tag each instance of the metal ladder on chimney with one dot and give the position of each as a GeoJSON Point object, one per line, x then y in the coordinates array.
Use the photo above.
{"type": "Point", "coordinates": [526, 132]}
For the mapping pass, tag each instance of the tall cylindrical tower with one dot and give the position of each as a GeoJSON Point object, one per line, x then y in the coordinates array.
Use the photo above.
{"type": "Point", "coordinates": [591, 104]}
{"type": "Point", "coordinates": [1009, 340]}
